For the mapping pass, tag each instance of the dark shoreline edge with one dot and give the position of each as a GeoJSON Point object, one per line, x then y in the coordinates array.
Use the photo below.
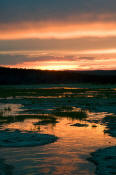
{"type": "Point", "coordinates": [5, 169]}
{"type": "Point", "coordinates": [105, 159]}
{"type": "Point", "coordinates": [13, 139]}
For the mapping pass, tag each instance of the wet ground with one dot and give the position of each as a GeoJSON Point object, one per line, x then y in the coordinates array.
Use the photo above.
{"type": "Point", "coordinates": [74, 114]}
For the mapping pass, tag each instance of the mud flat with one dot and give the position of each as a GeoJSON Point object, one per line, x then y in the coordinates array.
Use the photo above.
{"type": "Point", "coordinates": [5, 169]}
{"type": "Point", "coordinates": [110, 123]}
{"type": "Point", "coordinates": [19, 139]}
{"type": "Point", "coordinates": [105, 159]}
{"type": "Point", "coordinates": [73, 114]}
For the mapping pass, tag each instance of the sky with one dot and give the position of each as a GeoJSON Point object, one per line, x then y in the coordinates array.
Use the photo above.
{"type": "Point", "coordinates": [58, 34]}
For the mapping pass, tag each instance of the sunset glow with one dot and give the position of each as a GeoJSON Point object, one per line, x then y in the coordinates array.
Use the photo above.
{"type": "Point", "coordinates": [77, 64]}
{"type": "Point", "coordinates": [47, 30]}
{"type": "Point", "coordinates": [57, 87]}
{"type": "Point", "coordinates": [54, 39]}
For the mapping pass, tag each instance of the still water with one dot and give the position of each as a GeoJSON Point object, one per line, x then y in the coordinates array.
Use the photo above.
{"type": "Point", "coordinates": [68, 155]}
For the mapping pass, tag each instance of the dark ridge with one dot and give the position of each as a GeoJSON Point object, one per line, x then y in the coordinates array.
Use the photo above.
{"type": "Point", "coordinates": [30, 76]}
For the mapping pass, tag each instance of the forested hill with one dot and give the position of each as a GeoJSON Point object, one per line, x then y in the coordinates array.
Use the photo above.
{"type": "Point", "coordinates": [27, 76]}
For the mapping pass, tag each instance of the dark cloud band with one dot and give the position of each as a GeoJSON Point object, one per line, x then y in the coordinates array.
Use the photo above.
{"type": "Point", "coordinates": [37, 10]}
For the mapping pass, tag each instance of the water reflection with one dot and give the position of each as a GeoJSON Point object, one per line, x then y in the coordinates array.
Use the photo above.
{"type": "Point", "coordinates": [34, 110]}
{"type": "Point", "coordinates": [66, 156]}
{"type": "Point", "coordinates": [9, 109]}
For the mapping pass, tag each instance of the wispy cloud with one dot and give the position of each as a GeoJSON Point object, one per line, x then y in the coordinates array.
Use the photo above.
{"type": "Point", "coordinates": [47, 30]}
{"type": "Point", "coordinates": [60, 53]}
{"type": "Point", "coordinates": [48, 60]}
{"type": "Point", "coordinates": [56, 34]}
{"type": "Point", "coordinates": [64, 19]}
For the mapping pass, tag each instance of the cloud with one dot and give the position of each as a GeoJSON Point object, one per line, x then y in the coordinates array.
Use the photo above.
{"type": "Point", "coordinates": [61, 19]}
{"type": "Point", "coordinates": [50, 61]}
{"type": "Point", "coordinates": [62, 53]}
{"type": "Point", "coordinates": [43, 32]}
{"type": "Point", "coordinates": [47, 30]}
{"type": "Point", "coordinates": [54, 44]}
{"type": "Point", "coordinates": [86, 58]}
{"type": "Point", "coordinates": [37, 10]}
{"type": "Point", "coordinates": [13, 59]}
{"type": "Point", "coordinates": [96, 64]}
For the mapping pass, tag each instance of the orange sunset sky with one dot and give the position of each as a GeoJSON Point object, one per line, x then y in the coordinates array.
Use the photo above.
{"type": "Point", "coordinates": [58, 35]}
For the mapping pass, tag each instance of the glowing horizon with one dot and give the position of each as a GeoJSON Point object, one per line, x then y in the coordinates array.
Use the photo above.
{"type": "Point", "coordinates": [66, 60]}
{"type": "Point", "coordinates": [82, 37]}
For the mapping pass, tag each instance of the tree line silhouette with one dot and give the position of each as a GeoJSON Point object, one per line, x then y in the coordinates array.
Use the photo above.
{"type": "Point", "coordinates": [30, 76]}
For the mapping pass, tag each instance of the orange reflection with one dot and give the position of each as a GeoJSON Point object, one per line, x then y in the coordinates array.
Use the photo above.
{"type": "Point", "coordinates": [69, 152]}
